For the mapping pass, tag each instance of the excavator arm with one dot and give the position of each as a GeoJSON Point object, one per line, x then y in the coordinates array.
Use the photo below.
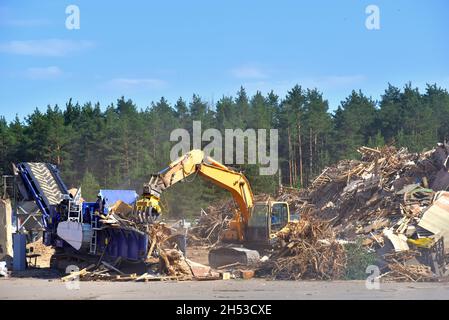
{"type": "Point", "coordinates": [195, 162]}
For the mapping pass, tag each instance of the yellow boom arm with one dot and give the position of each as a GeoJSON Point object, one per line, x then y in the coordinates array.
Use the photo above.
{"type": "Point", "coordinates": [194, 162]}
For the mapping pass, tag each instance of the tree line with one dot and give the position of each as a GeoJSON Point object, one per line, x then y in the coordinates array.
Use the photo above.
{"type": "Point", "coordinates": [120, 145]}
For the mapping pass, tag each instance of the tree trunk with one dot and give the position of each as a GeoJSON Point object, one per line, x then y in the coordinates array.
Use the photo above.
{"type": "Point", "coordinates": [310, 152]}
{"type": "Point", "coordinates": [58, 156]}
{"type": "Point", "coordinates": [154, 142]}
{"type": "Point", "coordinates": [316, 152]}
{"type": "Point", "coordinates": [300, 156]}
{"type": "Point", "coordinates": [127, 162]}
{"type": "Point", "coordinates": [289, 158]}
{"type": "Point", "coordinates": [295, 174]}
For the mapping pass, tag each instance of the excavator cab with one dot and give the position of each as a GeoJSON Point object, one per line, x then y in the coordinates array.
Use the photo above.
{"type": "Point", "coordinates": [266, 219]}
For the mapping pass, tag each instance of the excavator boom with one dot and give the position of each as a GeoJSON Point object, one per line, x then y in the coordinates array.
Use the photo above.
{"type": "Point", "coordinates": [195, 162]}
{"type": "Point", "coordinates": [251, 222]}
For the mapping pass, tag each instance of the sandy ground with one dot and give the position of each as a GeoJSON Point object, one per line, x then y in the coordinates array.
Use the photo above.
{"type": "Point", "coordinates": [198, 254]}
{"type": "Point", "coordinates": [44, 283]}
{"type": "Point", "coordinates": [28, 288]}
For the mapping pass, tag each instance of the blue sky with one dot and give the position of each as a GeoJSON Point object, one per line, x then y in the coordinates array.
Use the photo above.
{"type": "Point", "coordinates": [148, 49]}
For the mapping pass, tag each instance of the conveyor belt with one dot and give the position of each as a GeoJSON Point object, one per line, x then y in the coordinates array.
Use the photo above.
{"type": "Point", "coordinates": [44, 179]}
{"type": "Point", "coordinates": [43, 183]}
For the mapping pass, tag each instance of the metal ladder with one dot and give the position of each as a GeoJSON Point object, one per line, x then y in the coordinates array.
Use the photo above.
{"type": "Point", "coordinates": [93, 239]}
{"type": "Point", "coordinates": [75, 208]}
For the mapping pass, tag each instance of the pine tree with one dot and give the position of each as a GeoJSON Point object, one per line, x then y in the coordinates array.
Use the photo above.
{"type": "Point", "coordinates": [354, 125]}
{"type": "Point", "coordinates": [5, 144]}
{"type": "Point", "coordinates": [89, 186]}
{"type": "Point", "coordinates": [318, 129]}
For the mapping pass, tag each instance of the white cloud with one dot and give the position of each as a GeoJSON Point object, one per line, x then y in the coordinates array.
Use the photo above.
{"type": "Point", "coordinates": [46, 47]}
{"type": "Point", "coordinates": [136, 83]}
{"type": "Point", "coordinates": [51, 72]}
{"type": "Point", "coordinates": [246, 72]}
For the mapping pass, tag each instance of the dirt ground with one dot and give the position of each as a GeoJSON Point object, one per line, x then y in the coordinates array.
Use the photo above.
{"type": "Point", "coordinates": [42, 269]}
{"type": "Point", "coordinates": [198, 254]}
{"type": "Point", "coordinates": [194, 253]}
{"type": "Point", "coordinates": [45, 283]}
{"type": "Point", "coordinates": [257, 289]}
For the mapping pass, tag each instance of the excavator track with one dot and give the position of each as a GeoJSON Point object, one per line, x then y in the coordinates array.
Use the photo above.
{"type": "Point", "coordinates": [224, 256]}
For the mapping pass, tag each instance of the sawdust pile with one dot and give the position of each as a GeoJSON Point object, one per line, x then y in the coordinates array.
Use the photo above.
{"type": "Point", "coordinates": [45, 252]}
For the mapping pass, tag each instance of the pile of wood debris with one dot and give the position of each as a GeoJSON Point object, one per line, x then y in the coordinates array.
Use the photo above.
{"type": "Point", "coordinates": [381, 199]}
{"type": "Point", "coordinates": [172, 266]}
{"type": "Point", "coordinates": [308, 250]}
{"type": "Point", "coordinates": [353, 195]}
{"type": "Point", "coordinates": [215, 219]}
{"type": "Point", "coordinates": [400, 269]}
{"type": "Point", "coordinates": [212, 222]}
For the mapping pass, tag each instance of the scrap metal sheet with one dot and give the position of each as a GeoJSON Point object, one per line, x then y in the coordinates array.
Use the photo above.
{"type": "Point", "coordinates": [436, 217]}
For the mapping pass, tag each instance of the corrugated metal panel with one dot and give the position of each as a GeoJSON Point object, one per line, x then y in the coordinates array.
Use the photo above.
{"type": "Point", "coordinates": [436, 217]}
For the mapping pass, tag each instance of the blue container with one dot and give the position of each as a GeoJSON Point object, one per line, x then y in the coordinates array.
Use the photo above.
{"type": "Point", "coordinates": [19, 242]}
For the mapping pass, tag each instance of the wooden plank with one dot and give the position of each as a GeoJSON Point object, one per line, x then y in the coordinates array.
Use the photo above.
{"type": "Point", "coordinates": [141, 277]}
{"type": "Point", "coordinates": [77, 273]}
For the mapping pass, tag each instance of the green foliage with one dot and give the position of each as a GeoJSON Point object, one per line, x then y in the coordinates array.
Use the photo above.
{"type": "Point", "coordinates": [376, 141]}
{"type": "Point", "coordinates": [354, 124]}
{"type": "Point", "coordinates": [358, 259]}
{"type": "Point", "coordinates": [120, 145]}
{"type": "Point", "coordinates": [89, 187]}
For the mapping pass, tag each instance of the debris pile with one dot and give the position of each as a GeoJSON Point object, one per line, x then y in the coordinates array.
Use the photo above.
{"type": "Point", "coordinates": [376, 191]}
{"type": "Point", "coordinates": [170, 265]}
{"type": "Point", "coordinates": [400, 268]}
{"type": "Point", "coordinates": [164, 259]}
{"type": "Point", "coordinates": [414, 273]}
{"type": "Point", "coordinates": [384, 199]}
{"type": "Point", "coordinates": [212, 222]}
{"type": "Point", "coordinates": [308, 250]}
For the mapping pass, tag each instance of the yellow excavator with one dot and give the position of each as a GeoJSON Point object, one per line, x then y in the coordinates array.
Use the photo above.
{"type": "Point", "coordinates": [253, 225]}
